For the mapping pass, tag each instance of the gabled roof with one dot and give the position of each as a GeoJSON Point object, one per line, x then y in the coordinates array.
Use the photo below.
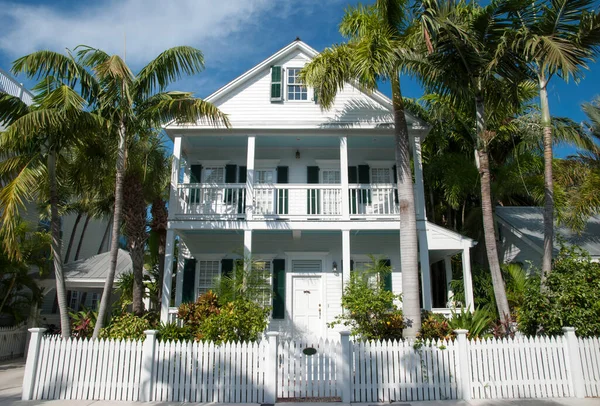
{"type": "Point", "coordinates": [528, 224]}
{"type": "Point", "coordinates": [282, 53]}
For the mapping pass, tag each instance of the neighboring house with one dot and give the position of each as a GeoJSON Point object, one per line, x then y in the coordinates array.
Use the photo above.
{"type": "Point", "coordinates": [84, 280]}
{"type": "Point", "coordinates": [521, 235]}
{"type": "Point", "coordinates": [308, 194]}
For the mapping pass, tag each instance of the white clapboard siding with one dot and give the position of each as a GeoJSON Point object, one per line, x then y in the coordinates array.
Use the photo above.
{"type": "Point", "coordinates": [12, 342]}
{"type": "Point", "coordinates": [84, 369]}
{"type": "Point", "coordinates": [529, 367]}
{"type": "Point", "coordinates": [203, 372]}
{"type": "Point", "coordinates": [589, 350]}
{"type": "Point", "coordinates": [307, 376]}
{"type": "Point", "coordinates": [391, 371]}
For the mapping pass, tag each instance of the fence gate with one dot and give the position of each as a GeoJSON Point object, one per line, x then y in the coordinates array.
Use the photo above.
{"type": "Point", "coordinates": [307, 370]}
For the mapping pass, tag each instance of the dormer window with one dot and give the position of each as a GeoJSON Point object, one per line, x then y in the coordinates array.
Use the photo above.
{"type": "Point", "coordinates": [296, 90]}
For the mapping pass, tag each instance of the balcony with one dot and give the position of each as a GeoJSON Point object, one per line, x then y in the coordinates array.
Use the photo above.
{"type": "Point", "coordinates": [9, 85]}
{"type": "Point", "coordinates": [287, 201]}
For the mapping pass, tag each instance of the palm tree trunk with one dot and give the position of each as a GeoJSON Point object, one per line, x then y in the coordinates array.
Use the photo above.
{"type": "Point", "coordinates": [85, 224]}
{"type": "Point", "coordinates": [105, 236]}
{"type": "Point", "coordinates": [114, 246]}
{"type": "Point", "coordinates": [137, 263]}
{"type": "Point", "coordinates": [409, 263]}
{"type": "Point", "coordinates": [489, 230]}
{"type": "Point", "coordinates": [61, 290]}
{"type": "Point", "coordinates": [72, 238]}
{"type": "Point", "coordinates": [548, 182]}
{"type": "Point", "coordinates": [8, 292]}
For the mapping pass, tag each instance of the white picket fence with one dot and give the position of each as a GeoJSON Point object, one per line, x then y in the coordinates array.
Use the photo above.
{"type": "Point", "coordinates": [387, 371]}
{"type": "Point", "coordinates": [12, 341]}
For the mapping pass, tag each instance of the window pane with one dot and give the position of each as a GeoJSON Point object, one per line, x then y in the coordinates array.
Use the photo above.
{"type": "Point", "coordinates": [208, 272]}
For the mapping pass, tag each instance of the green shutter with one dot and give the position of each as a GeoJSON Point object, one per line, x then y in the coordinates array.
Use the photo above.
{"type": "Point", "coordinates": [242, 176]}
{"type": "Point", "coordinates": [313, 197]}
{"type": "Point", "coordinates": [189, 276]}
{"type": "Point", "coordinates": [353, 179]}
{"type": "Point", "coordinates": [276, 83]}
{"type": "Point", "coordinates": [195, 177]}
{"type": "Point", "coordinates": [364, 178]}
{"type": "Point", "coordinates": [387, 277]}
{"type": "Point", "coordinates": [395, 176]}
{"type": "Point", "coordinates": [230, 176]}
{"type": "Point", "coordinates": [282, 194]}
{"type": "Point", "coordinates": [278, 288]}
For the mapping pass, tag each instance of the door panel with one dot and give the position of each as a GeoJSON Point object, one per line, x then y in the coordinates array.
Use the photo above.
{"type": "Point", "coordinates": [307, 306]}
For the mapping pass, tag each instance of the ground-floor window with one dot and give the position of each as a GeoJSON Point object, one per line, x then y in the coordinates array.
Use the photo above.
{"type": "Point", "coordinates": [263, 270]}
{"type": "Point", "coordinates": [208, 272]}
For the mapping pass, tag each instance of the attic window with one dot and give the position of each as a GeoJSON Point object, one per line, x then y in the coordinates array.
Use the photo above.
{"type": "Point", "coordinates": [295, 88]}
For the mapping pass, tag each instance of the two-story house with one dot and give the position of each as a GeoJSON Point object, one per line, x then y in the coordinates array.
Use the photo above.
{"type": "Point", "coordinates": [308, 194]}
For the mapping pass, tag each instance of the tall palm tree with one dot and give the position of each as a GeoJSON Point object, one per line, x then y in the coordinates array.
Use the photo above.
{"type": "Point", "coordinates": [555, 37]}
{"type": "Point", "coordinates": [468, 63]}
{"type": "Point", "coordinates": [35, 137]}
{"type": "Point", "coordinates": [130, 104]}
{"type": "Point", "coordinates": [374, 34]}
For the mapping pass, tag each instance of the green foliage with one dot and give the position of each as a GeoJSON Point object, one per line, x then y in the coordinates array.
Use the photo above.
{"type": "Point", "coordinates": [211, 319]}
{"type": "Point", "coordinates": [173, 332]}
{"type": "Point", "coordinates": [83, 323]}
{"type": "Point", "coordinates": [570, 297]}
{"type": "Point", "coordinates": [128, 326]}
{"type": "Point", "coordinates": [477, 323]}
{"type": "Point", "coordinates": [246, 283]}
{"type": "Point", "coordinates": [370, 311]}
{"type": "Point", "coordinates": [435, 326]}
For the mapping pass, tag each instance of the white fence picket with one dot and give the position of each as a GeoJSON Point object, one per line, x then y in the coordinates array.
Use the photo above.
{"type": "Point", "coordinates": [589, 349]}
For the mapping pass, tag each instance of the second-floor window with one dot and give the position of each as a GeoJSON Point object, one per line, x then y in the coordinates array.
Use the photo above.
{"type": "Point", "coordinates": [214, 175]}
{"type": "Point", "coordinates": [296, 90]}
{"type": "Point", "coordinates": [381, 175]}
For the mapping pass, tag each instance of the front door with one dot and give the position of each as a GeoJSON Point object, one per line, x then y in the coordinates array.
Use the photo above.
{"type": "Point", "coordinates": [307, 306]}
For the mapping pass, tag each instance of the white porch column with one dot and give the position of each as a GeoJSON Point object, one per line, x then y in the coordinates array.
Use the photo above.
{"type": "Point", "coordinates": [173, 194]}
{"type": "Point", "coordinates": [250, 177]}
{"type": "Point", "coordinates": [467, 279]}
{"type": "Point", "coordinates": [167, 277]}
{"type": "Point", "coordinates": [448, 266]}
{"type": "Point", "coordinates": [248, 249]}
{"type": "Point", "coordinates": [345, 257]}
{"type": "Point", "coordinates": [181, 257]}
{"type": "Point", "coordinates": [419, 186]}
{"type": "Point", "coordinates": [344, 178]}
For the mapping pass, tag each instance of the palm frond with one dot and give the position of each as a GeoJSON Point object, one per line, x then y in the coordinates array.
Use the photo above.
{"type": "Point", "coordinates": [182, 108]}
{"type": "Point", "coordinates": [168, 67]}
{"type": "Point", "coordinates": [11, 108]}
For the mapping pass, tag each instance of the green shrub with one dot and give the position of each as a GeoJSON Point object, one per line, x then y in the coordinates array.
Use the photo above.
{"type": "Point", "coordinates": [478, 323]}
{"type": "Point", "coordinates": [370, 312]}
{"type": "Point", "coordinates": [128, 326]}
{"type": "Point", "coordinates": [173, 332]}
{"type": "Point", "coordinates": [571, 297]}
{"type": "Point", "coordinates": [83, 323]}
{"type": "Point", "coordinates": [209, 319]}
{"type": "Point", "coordinates": [435, 326]}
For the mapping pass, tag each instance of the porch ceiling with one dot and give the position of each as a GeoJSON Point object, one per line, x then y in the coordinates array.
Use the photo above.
{"type": "Point", "coordinates": [296, 141]}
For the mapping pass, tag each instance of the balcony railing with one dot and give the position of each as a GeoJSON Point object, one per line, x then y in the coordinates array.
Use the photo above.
{"type": "Point", "coordinates": [14, 88]}
{"type": "Point", "coordinates": [287, 201]}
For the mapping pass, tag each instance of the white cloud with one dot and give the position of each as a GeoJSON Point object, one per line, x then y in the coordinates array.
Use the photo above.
{"type": "Point", "coordinates": [150, 26]}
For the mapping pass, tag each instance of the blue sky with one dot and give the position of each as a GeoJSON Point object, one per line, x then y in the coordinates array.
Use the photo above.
{"type": "Point", "coordinates": [234, 35]}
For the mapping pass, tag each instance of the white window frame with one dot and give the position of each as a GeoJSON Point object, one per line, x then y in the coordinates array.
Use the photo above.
{"type": "Point", "coordinates": [288, 84]}
{"type": "Point", "coordinates": [75, 296]}
{"type": "Point", "coordinates": [205, 258]}
{"type": "Point", "coordinates": [95, 301]}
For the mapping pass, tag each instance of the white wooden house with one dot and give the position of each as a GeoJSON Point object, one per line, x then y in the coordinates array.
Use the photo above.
{"type": "Point", "coordinates": [308, 193]}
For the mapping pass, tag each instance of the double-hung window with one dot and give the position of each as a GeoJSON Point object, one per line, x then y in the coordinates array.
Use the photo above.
{"type": "Point", "coordinates": [296, 90]}
{"type": "Point", "coordinates": [262, 270]}
{"type": "Point", "coordinates": [208, 272]}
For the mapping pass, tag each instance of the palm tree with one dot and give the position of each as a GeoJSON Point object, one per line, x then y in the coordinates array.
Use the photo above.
{"type": "Point", "coordinates": [33, 143]}
{"type": "Point", "coordinates": [468, 64]}
{"type": "Point", "coordinates": [557, 37]}
{"type": "Point", "coordinates": [130, 104]}
{"type": "Point", "coordinates": [374, 34]}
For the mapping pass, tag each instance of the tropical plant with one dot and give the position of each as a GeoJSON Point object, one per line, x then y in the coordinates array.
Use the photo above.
{"type": "Point", "coordinates": [32, 145]}
{"type": "Point", "coordinates": [374, 35]}
{"type": "Point", "coordinates": [570, 297]}
{"type": "Point", "coordinates": [371, 311]}
{"type": "Point", "coordinates": [468, 63]}
{"type": "Point", "coordinates": [173, 332]}
{"type": "Point", "coordinates": [554, 37]}
{"type": "Point", "coordinates": [82, 323]}
{"type": "Point", "coordinates": [477, 322]}
{"type": "Point", "coordinates": [128, 326]}
{"type": "Point", "coordinates": [435, 327]}
{"type": "Point", "coordinates": [248, 281]}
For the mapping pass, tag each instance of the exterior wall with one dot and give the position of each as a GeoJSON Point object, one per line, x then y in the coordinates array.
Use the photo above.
{"type": "Point", "coordinates": [513, 249]}
{"type": "Point", "coordinates": [47, 316]}
{"type": "Point", "coordinates": [91, 241]}
{"type": "Point", "coordinates": [252, 100]}
{"type": "Point", "coordinates": [281, 245]}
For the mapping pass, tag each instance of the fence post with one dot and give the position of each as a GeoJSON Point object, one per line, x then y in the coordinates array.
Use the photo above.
{"type": "Point", "coordinates": [33, 353]}
{"type": "Point", "coordinates": [572, 351]}
{"type": "Point", "coordinates": [344, 357]}
{"type": "Point", "coordinates": [147, 373]}
{"type": "Point", "coordinates": [463, 364]}
{"type": "Point", "coordinates": [272, 367]}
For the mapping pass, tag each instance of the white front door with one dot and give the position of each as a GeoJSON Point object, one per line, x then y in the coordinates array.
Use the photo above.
{"type": "Point", "coordinates": [307, 306]}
